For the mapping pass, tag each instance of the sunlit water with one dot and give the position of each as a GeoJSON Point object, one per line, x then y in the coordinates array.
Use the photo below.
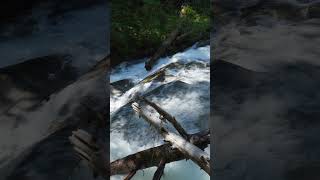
{"type": "Point", "coordinates": [129, 134]}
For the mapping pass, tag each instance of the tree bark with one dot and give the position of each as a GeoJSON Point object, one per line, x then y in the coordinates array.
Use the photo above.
{"type": "Point", "coordinates": [177, 148]}
{"type": "Point", "coordinates": [87, 149]}
{"type": "Point", "coordinates": [168, 117]}
{"type": "Point", "coordinates": [153, 156]}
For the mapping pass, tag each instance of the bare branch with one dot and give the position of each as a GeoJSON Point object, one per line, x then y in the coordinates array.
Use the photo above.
{"type": "Point", "coordinates": [168, 117]}
{"type": "Point", "coordinates": [140, 160]}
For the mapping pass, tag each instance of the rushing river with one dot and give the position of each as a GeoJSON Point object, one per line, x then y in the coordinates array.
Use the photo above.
{"type": "Point", "coordinates": [182, 90]}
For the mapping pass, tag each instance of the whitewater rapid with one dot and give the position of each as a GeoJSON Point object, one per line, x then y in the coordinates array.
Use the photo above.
{"type": "Point", "coordinates": [196, 101]}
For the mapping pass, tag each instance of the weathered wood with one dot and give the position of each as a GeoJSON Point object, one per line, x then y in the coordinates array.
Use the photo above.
{"type": "Point", "coordinates": [165, 45]}
{"type": "Point", "coordinates": [168, 117]}
{"type": "Point", "coordinates": [152, 157]}
{"type": "Point", "coordinates": [141, 160]}
{"type": "Point", "coordinates": [88, 148]}
{"type": "Point", "coordinates": [189, 150]}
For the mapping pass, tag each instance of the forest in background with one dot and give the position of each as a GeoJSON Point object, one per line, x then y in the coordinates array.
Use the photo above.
{"type": "Point", "coordinates": [140, 26]}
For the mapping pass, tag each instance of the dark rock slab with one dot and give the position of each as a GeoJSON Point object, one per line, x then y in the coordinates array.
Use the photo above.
{"type": "Point", "coordinates": [41, 76]}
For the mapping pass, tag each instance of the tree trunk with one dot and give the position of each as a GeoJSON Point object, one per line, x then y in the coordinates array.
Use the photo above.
{"type": "Point", "coordinates": [168, 117]}
{"type": "Point", "coordinates": [87, 150]}
{"type": "Point", "coordinates": [153, 156]}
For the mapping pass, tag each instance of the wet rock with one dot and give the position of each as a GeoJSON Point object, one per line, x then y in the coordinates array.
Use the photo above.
{"type": "Point", "coordinates": [139, 130]}
{"type": "Point", "coordinates": [41, 76]}
{"type": "Point", "coordinates": [122, 85]}
{"type": "Point", "coordinates": [241, 77]}
{"type": "Point", "coordinates": [157, 76]}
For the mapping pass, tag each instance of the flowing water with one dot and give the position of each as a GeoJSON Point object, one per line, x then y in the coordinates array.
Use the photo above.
{"type": "Point", "coordinates": [180, 84]}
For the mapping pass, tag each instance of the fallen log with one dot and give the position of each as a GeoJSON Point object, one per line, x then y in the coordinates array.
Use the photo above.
{"type": "Point", "coordinates": [168, 117]}
{"type": "Point", "coordinates": [189, 150]}
{"type": "Point", "coordinates": [91, 152]}
{"type": "Point", "coordinates": [176, 148]}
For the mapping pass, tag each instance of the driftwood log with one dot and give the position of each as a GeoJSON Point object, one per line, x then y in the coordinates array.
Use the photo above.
{"type": "Point", "coordinates": [167, 116]}
{"type": "Point", "coordinates": [88, 149]}
{"type": "Point", "coordinates": [177, 148]}
{"type": "Point", "coordinates": [188, 149]}
{"type": "Point", "coordinates": [152, 157]}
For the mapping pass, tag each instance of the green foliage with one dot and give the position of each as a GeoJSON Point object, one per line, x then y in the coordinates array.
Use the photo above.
{"type": "Point", "coordinates": [195, 22]}
{"type": "Point", "coordinates": [140, 26]}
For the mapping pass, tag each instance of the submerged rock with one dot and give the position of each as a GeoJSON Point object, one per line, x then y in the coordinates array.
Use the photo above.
{"type": "Point", "coordinates": [122, 85]}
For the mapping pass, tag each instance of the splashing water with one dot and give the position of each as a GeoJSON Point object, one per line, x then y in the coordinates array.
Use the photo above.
{"type": "Point", "coordinates": [136, 71]}
{"type": "Point", "coordinates": [183, 92]}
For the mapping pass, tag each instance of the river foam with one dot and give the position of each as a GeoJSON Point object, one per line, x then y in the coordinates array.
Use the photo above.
{"type": "Point", "coordinates": [196, 100]}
